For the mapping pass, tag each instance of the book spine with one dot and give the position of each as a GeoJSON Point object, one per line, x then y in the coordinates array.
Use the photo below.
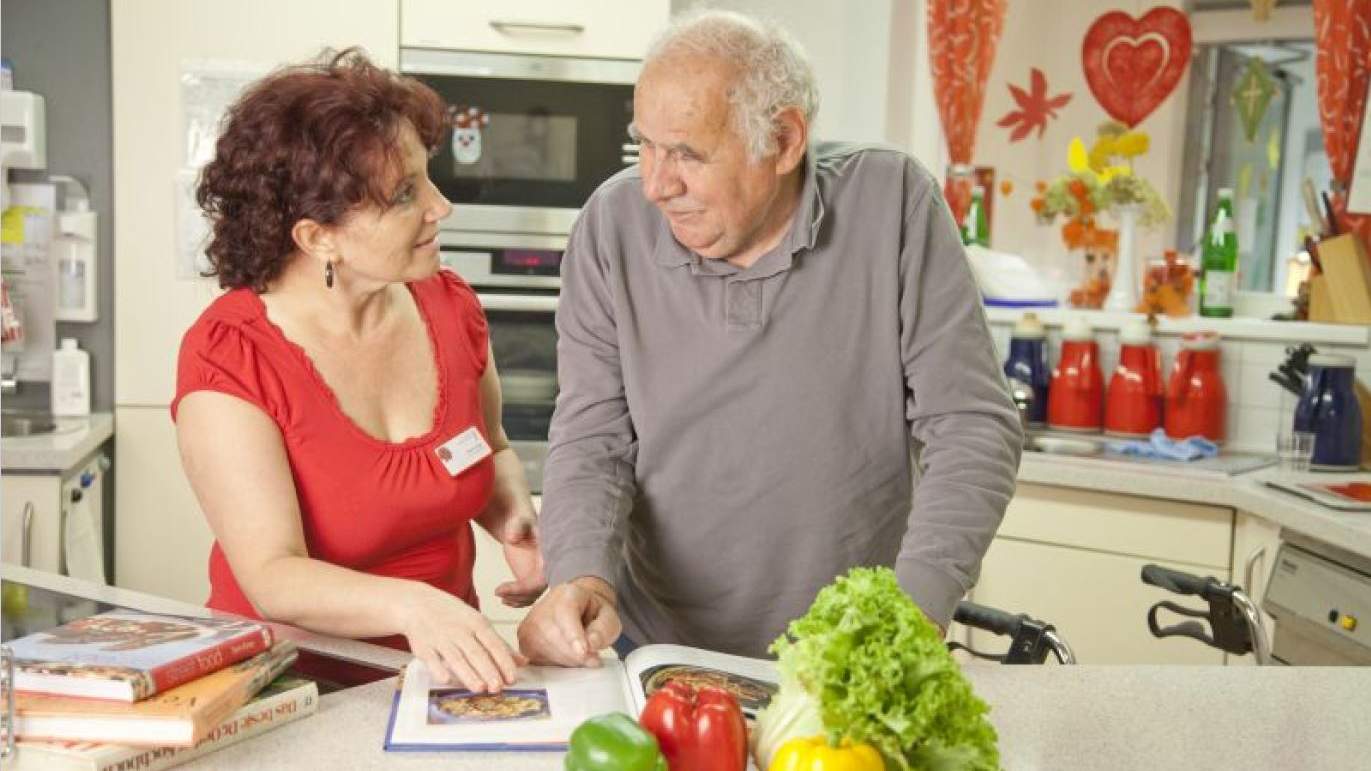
{"type": "Point", "coordinates": [252, 720]}
{"type": "Point", "coordinates": [181, 671]}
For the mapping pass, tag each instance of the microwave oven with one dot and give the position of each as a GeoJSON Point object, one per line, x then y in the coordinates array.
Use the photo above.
{"type": "Point", "coordinates": [532, 136]}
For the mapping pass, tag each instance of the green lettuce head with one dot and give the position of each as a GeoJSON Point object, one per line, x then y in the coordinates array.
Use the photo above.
{"type": "Point", "coordinates": [874, 669]}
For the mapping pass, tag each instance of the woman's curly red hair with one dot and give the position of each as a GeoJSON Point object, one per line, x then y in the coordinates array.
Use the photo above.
{"type": "Point", "coordinates": [311, 141]}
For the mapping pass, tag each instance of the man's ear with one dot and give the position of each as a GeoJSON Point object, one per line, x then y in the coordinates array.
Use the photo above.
{"type": "Point", "coordinates": [792, 139]}
{"type": "Point", "coordinates": [315, 240]}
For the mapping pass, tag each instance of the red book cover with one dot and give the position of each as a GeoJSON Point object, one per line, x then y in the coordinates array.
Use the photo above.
{"type": "Point", "coordinates": [129, 655]}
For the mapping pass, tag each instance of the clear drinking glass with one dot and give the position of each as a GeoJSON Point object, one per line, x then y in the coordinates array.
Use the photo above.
{"type": "Point", "coordinates": [1294, 449]}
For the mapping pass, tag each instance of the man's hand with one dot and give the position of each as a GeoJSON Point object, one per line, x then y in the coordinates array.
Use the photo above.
{"type": "Point", "coordinates": [571, 624]}
{"type": "Point", "coordinates": [519, 537]}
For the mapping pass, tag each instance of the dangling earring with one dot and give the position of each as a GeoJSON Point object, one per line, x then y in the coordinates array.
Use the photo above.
{"type": "Point", "coordinates": [328, 275]}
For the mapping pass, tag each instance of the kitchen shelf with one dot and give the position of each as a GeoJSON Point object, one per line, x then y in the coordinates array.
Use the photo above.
{"type": "Point", "coordinates": [1232, 329]}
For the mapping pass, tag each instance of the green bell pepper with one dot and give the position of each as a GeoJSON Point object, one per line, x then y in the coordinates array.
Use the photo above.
{"type": "Point", "coordinates": [613, 742]}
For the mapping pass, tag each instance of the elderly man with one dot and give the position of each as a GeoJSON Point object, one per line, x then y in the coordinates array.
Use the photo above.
{"type": "Point", "coordinates": [762, 344]}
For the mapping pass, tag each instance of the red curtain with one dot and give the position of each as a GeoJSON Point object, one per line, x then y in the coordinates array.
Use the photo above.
{"type": "Point", "coordinates": [1343, 32]}
{"type": "Point", "coordinates": [962, 37]}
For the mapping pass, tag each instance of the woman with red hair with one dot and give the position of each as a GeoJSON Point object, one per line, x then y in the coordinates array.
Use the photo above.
{"type": "Point", "coordinates": [338, 409]}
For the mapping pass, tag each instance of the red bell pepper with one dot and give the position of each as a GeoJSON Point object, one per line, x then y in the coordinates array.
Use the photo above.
{"type": "Point", "coordinates": [699, 730]}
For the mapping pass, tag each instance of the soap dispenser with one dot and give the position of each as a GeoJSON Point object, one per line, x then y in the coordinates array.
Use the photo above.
{"type": "Point", "coordinates": [70, 380]}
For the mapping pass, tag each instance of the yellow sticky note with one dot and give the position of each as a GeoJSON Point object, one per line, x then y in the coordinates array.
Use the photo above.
{"type": "Point", "coordinates": [12, 225]}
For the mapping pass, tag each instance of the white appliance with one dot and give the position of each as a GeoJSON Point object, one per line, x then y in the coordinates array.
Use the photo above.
{"type": "Point", "coordinates": [54, 522]}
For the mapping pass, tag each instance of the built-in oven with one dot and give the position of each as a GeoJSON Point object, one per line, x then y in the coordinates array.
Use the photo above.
{"type": "Point", "coordinates": [532, 136]}
{"type": "Point", "coordinates": [516, 277]}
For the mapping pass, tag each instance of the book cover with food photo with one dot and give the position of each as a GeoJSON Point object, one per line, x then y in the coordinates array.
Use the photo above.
{"type": "Point", "coordinates": [179, 717]}
{"type": "Point", "coordinates": [127, 655]}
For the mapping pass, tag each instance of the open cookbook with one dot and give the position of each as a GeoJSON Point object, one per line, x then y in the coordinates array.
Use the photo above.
{"type": "Point", "coordinates": [541, 709]}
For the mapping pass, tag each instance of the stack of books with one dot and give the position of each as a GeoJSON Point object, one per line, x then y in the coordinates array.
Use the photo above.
{"type": "Point", "coordinates": [127, 689]}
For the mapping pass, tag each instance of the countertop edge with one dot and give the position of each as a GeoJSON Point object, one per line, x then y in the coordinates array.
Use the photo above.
{"type": "Point", "coordinates": [1246, 492]}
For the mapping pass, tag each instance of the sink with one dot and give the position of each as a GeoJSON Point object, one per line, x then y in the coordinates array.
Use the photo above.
{"type": "Point", "coordinates": [14, 423]}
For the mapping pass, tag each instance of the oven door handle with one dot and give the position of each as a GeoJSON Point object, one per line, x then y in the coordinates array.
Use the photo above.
{"type": "Point", "coordinates": [518, 302]}
{"type": "Point", "coordinates": [507, 27]}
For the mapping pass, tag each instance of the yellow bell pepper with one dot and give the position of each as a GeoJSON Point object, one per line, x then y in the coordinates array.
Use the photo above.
{"type": "Point", "coordinates": [815, 754]}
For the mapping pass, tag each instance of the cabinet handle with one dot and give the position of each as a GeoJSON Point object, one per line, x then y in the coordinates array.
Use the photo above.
{"type": "Point", "coordinates": [26, 537]}
{"type": "Point", "coordinates": [508, 27]}
{"type": "Point", "coordinates": [1249, 572]}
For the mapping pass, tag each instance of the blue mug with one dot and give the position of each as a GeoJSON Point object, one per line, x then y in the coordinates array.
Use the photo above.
{"type": "Point", "coordinates": [1027, 362]}
{"type": "Point", "coordinates": [1328, 408]}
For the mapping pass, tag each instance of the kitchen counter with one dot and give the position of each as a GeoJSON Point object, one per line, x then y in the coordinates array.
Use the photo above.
{"type": "Point", "coordinates": [56, 451]}
{"type": "Point", "coordinates": [1047, 717]}
{"type": "Point", "coordinates": [1244, 492]}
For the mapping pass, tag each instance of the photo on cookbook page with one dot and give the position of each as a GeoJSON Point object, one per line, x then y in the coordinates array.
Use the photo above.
{"type": "Point", "coordinates": [453, 706]}
{"type": "Point", "coordinates": [751, 681]}
{"type": "Point", "coordinates": [538, 712]}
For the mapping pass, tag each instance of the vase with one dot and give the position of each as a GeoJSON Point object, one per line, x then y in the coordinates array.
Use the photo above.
{"type": "Point", "coordinates": [1123, 290]}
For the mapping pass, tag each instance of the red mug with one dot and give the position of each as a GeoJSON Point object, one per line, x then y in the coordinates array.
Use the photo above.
{"type": "Point", "coordinates": [1196, 399]}
{"type": "Point", "coordinates": [1133, 403]}
{"type": "Point", "coordinates": [1075, 398]}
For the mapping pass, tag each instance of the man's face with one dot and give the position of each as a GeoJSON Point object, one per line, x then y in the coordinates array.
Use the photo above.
{"type": "Point", "coordinates": [695, 166]}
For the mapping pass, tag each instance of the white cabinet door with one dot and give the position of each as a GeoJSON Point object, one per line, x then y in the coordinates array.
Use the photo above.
{"type": "Point", "coordinates": [1255, 541]}
{"type": "Point", "coordinates": [606, 29]}
{"type": "Point", "coordinates": [1094, 599]}
{"type": "Point", "coordinates": [31, 532]}
{"type": "Point", "coordinates": [161, 538]}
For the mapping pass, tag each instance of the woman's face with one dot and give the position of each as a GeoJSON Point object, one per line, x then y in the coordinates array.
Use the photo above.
{"type": "Point", "coordinates": [400, 241]}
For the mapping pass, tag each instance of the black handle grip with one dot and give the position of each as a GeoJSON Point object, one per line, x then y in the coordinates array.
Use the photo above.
{"type": "Point", "coordinates": [989, 619]}
{"type": "Point", "coordinates": [1177, 582]}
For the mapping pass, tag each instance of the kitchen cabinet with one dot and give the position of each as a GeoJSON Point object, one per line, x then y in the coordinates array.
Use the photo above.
{"type": "Point", "coordinates": [54, 521]}
{"type": "Point", "coordinates": [605, 29]}
{"type": "Point", "coordinates": [1073, 558]}
{"type": "Point", "coordinates": [1255, 541]}
{"type": "Point", "coordinates": [162, 540]}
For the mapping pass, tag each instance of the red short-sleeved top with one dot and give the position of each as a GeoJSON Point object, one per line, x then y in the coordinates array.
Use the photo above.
{"type": "Point", "coordinates": [388, 509]}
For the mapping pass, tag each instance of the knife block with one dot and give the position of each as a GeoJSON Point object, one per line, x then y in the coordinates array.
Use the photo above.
{"type": "Point", "coordinates": [1343, 293]}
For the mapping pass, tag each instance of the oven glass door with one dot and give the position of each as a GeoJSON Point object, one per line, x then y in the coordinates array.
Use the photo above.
{"type": "Point", "coordinates": [530, 143]}
{"type": "Point", "coordinates": [525, 346]}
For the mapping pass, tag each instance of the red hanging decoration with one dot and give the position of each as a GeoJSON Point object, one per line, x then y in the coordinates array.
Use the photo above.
{"type": "Point", "coordinates": [963, 36]}
{"type": "Point", "coordinates": [1342, 30]}
{"type": "Point", "coordinates": [1132, 65]}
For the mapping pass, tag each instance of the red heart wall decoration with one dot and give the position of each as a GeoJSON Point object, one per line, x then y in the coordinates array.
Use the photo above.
{"type": "Point", "coordinates": [1132, 65]}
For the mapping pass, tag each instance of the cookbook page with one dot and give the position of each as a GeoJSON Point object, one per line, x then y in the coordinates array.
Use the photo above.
{"type": "Point", "coordinates": [539, 711]}
{"type": "Point", "coordinates": [752, 681]}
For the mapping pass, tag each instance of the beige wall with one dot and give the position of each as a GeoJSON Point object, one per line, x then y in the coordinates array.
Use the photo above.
{"type": "Point", "coordinates": [162, 541]}
{"type": "Point", "coordinates": [1047, 34]}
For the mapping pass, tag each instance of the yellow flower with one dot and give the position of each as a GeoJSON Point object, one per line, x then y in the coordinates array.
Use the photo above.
{"type": "Point", "coordinates": [1133, 144]}
{"type": "Point", "coordinates": [1079, 161]}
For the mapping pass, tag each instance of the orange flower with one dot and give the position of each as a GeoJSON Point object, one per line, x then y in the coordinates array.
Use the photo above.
{"type": "Point", "coordinates": [1041, 186]}
{"type": "Point", "coordinates": [1037, 205]}
{"type": "Point", "coordinates": [1077, 189]}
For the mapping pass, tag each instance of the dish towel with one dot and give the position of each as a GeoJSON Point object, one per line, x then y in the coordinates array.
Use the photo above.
{"type": "Point", "coordinates": [1159, 445]}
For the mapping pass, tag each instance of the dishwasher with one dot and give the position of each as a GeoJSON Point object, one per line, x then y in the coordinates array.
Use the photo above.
{"type": "Point", "coordinates": [1320, 596]}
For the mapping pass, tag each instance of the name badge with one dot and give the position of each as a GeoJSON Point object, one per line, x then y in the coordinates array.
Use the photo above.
{"type": "Point", "coordinates": [463, 451]}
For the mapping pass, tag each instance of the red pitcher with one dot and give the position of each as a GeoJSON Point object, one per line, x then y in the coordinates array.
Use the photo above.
{"type": "Point", "coordinates": [1075, 397]}
{"type": "Point", "coordinates": [1133, 403]}
{"type": "Point", "coordinates": [1196, 400]}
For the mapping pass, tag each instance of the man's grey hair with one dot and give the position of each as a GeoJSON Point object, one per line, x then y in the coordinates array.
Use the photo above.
{"type": "Point", "coordinates": [773, 71]}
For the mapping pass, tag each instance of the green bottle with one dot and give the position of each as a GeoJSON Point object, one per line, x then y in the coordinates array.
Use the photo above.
{"type": "Point", "coordinates": [975, 227]}
{"type": "Point", "coordinates": [1219, 261]}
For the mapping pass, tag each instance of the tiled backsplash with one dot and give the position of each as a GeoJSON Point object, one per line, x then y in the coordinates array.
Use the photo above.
{"type": "Point", "coordinates": [1254, 402]}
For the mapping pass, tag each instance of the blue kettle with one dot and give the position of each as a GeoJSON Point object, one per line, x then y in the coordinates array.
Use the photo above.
{"type": "Point", "coordinates": [1328, 408]}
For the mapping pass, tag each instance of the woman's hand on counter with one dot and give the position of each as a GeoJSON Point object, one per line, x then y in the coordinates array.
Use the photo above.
{"type": "Point", "coordinates": [519, 538]}
{"type": "Point", "coordinates": [456, 642]}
